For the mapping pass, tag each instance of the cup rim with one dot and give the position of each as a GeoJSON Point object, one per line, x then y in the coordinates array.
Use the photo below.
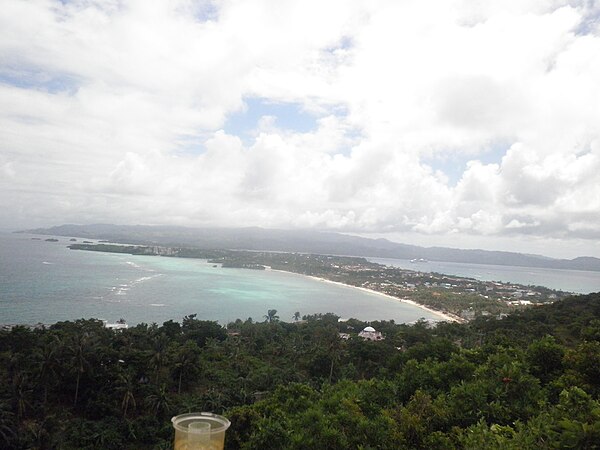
{"type": "Point", "coordinates": [223, 421]}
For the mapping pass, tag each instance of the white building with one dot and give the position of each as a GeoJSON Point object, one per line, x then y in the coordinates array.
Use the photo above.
{"type": "Point", "coordinates": [370, 334]}
{"type": "Point", "coordinates": [120, 325]}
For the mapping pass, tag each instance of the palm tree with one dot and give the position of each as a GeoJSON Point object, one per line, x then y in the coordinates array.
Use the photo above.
{"type": "Point", "coordinates": [296, 316]}
{"type": "Point", "coordinates": [214, 400]}
{"type": "Point", "coordinates": [335, 354]}
{"type": "Point", "coordinates": [22, 393]}
{"type": "Point", "coordinates": [189, 403]}
{"type": "Point", "coordinates": [159, 354]}
{"type": "Point", "coordinates": [46, 359]}
{"type": "Point", "coordinates": [126, 386]}
{"type": "Point", "coordinates": [159, 401]}
{"type": "Point", "coordinates": [81, 349]}
{"type": "Point", "coordinates": [186, 360]}
{"type": "Point", "coordinates": [271, 316]}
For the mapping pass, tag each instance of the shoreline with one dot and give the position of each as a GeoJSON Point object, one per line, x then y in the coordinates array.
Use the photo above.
{"type": "Point", "coordinates": [445, 316]}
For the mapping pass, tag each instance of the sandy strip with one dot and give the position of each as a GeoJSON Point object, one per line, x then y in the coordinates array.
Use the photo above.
{"type": "Point", "coordinates": [445, 316]}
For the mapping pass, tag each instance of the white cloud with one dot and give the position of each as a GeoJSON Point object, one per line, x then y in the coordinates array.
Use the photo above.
{"type": "Point", "coordinates": [518, 224]}
{"type": "Point", "coordinates": [112, 111]}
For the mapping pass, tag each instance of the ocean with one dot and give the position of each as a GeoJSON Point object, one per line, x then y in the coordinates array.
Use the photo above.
{"type": "Point", "coordinates": [46, 282]}
{"type": "Point", "coordinates": [577, 281]}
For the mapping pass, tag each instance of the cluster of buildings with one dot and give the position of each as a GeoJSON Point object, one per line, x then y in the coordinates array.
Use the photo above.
{"type": "Point", "coordinates": [493, 295]}
{"type": "Point", "coordinates": [367, 334]}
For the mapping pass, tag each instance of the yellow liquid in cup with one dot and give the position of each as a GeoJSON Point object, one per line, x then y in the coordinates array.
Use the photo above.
{"type": "Point", "coordinates": [184, 444]}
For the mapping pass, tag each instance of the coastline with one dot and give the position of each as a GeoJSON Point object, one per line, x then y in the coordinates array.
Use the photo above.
{"type": "Point", "coordinates": [444, 316]}
{"type": "Point", "coordinates": [439, 315]}
{"type": "Point", "coordinates": [447, 317]}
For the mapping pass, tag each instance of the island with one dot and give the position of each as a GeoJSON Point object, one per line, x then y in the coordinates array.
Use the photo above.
{"type": "Point", "coordinates": [454, 298]}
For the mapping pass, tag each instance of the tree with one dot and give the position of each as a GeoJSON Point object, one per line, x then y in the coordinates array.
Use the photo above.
{"type": "Point", "coordinates": [80, 348]}
{"type": "Point", "coordinates": [585, 359]}
{"type": "Point", "coordinates": [46, 360]}
{"type": "Point", "coordinates": [296, 316]}
{"type": "Point", "coordinates": [271, 316]}
{"type": "Point", "coordinates": [126, 386]}
{"type": "Point", "coordinates": [201, 330]}
{"type": "Point", "coordinates": [335, 351]}
{"type": "Point", "coordinates": [545, 358]}
{"type": "Point", "coordinates": [171, 329]}
{"type": "Point", "coordinates": [159, 354]}
{"type": "Point", "coordinates": [22, 393]}
{"type": "Point", "coordinates": [159, 401]}
{"type": "Point", "coordinates": [187, 360]}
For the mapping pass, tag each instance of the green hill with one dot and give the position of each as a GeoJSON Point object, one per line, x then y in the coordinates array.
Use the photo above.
{"type": "Point", "coordinates": [529, 381]}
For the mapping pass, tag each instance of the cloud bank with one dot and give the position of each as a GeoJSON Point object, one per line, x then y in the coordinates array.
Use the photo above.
{"type": "Point", "coordinates": [461, 119]}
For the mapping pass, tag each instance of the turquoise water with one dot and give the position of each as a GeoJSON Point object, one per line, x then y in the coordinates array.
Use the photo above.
{"type": "Point", "coordinates": [46, 282]}
{"type": "Point", "coordinates": [578, 281]}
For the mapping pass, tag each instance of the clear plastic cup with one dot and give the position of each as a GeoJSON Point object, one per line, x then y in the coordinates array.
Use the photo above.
{"type": "Point", "coordinates": [200, 431]}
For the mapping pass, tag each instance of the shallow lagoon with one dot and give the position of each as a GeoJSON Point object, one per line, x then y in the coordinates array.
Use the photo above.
{"type": "Point", "coordinates": [46, 282]}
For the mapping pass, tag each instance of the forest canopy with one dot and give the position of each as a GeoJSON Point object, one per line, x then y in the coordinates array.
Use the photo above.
{"type": "Point", "coordinates": [530, 380]}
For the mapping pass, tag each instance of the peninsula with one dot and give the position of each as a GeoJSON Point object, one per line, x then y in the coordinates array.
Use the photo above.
{"type": "Point", "coordinates": [456, 298]}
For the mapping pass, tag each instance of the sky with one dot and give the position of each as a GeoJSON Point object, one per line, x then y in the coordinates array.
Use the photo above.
{"type": "Point", "coordinates": [457, 123]}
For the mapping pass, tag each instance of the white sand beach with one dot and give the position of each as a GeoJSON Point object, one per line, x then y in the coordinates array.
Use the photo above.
{"type": "Point", "coordinates": [445, 316]}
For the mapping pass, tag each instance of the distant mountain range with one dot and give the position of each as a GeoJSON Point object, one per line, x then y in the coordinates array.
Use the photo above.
{"type": "Point", "coordinates": [305, 241]}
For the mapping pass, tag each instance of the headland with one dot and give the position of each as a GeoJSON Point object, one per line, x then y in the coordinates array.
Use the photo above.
{"type": "Point", "coordinates": [451, 298]}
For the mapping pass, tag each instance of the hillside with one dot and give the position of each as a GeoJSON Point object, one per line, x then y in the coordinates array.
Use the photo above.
{"type": "Point", "coordinates": [489, 384]}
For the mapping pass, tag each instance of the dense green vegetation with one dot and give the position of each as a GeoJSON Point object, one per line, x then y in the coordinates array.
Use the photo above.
{"type": "Point", "coordinates": [529, 381]}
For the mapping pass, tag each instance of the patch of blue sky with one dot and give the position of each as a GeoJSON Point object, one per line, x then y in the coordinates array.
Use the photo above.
{"type": "Point", "coordinates": [589, 23]}
{"type": "Point", "coordinates": [345, 43]}
{"type": "Point", "coordinates": [205, 11]}
{"type": "Point", "coordinates": [454, 164]}
{"type": "Point", "coordinates": [288, 116]}
{"type": "Point", "coordinates": [40, 81]}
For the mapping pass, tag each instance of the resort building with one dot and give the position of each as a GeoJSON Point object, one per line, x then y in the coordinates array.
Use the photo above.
{"type": "Point", "coordinates": [120, 325]}
{"type": "Point", "coordinates": [370, 334]}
